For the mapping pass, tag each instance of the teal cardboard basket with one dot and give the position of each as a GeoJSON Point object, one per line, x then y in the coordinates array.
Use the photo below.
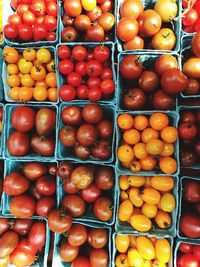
{"type": "Point", "coordinates": [1, 78]}
{"type": "Point", "coordinates": [185, 48]}
{"type": "Point", "coordinates": [16, 166]}
{"type": "Point", "coordinates": [148, 60]}
{"type": "Point", "coordinates": [41, 260]}
{"type": "Point", "coordinates": [7, 11]}
{"type": "Point", "coordinates": [89, 216]}
{"type": "Point", "coordinates": [114, 253]}
{"type": "Point", "coordinates": [65, 153]}
{"type": "Point", "coordinates": [149, 4]}
{"type": "Point", "coordinates": [123, 227]}
{"type": "Point", "coordinates": [1, 181]}
{"type": "Point", "coordinates": [3, 130]}
{"type": "Point", "coordinates": [174, 118]}
{"type": "Point", "coordinates": [5, 76]}
{"type": "Point", "coordinates": [180, 234]}
{"type": "Point", "coordinates": [191, 108]}
{"type": "Point", "coordinates": [9, 108]}
{"type": "Point", "coordinates": [56, 258]}
{"type": "Point", "coordinates": [61, 79]}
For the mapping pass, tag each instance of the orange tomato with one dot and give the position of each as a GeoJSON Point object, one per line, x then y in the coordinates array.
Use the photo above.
{"type": "Point", "coordinates": [10, 55]}
{"type": "Point", "coordinates": [163, 250]}
{"type": "Point", "coordinates": [53, 94]}
{"type": "Point", "coordinates": [149, 210]}
{"type": "Point", "coordinates": [122, 243]}
{"type": "Point", "coordinates": [151, 196]}
{"type": "Point", "coordinates": [38, 73]}
{"type": "Point", "coordinates": [126, 164]}
{"type": "Point", "coordinates": [136, 181]}
{"type": "Point", "coordinates": [169, 134]}
{"type": "Point", "coordinates": [12, 69]}
{"type": "Point", "coordinates": [41, 84]}
{"type": "Point", "coordinates": [135, 197]}
{"type": "Point", "coordinates": [158, 121]}
{"type": "Point", "coordinates": [149, 163]}
{"type": "Point", "coordinates": [51, 67]}
{"type": "Point", "coordinates": [27, 80]}
{"type": "Point", "coordinates": [123, 182]}
{"type": "Point", "coordinates": [125, 153]}
{"type": "Point", "coordinates": [29, 54]}
{"type": "Point", "coordinates": [168, 150]}
{"type": "Point", "coordinates": [168, 165]}
{"type": "Point", "coordinates": [125, 210]}
{"type": "Point", "coordinates": [149, 134]}
{"type": "Point", "coordinates": [25, 93]}
{"type": "Point", "coordinates": [36, 62]}
{"type": "Point", "coordinates": [122, 260]}
{"type": "Point", "coordinates": [123, 195]}
{"type": "Point", "coordinates": [135, 166]}
{"type": "Point", "coordinates": [125, 121]}
{"type": "Point", "coordinates": [140, 122]}
{"type": "Point", "coordinates": [163, 219]}
{"type": "Point", "coordinates": [131, 136]}
{"type": "Point", "coordinates": [13, 80]}
{"type": "Point", "coordinates": [167, 202]}
{"type": "Point", "coordinates": [154, 147]}
{"type": "Point", "coordinates": [14, 93]}
{"type": "Point", "coordinates": [139, 150]}
{"type": "Point", "coordinates": [141, 223]}
{"type": "Point", "coordinates": [162, 183]}
{"type": "Point", "coordinates": [50, 79]}
{"type": "Point", "coordinates": [40, 93]}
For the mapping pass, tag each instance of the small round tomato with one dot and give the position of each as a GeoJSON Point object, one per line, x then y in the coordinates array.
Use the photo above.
{"type": "Point", "coordinates": [64, 52]}
{"type": "Point", "coordinates": [74, 79]}
{"type": "Point", "coordinates": [67, 92]}
{"type": "Point", "coordinates": [107, 86]}
{"type": "Point", "coordinates": [79, 53]}
{"type": "Point", "coordinates": [94, 94]}
{"type": "Point", "coordinates": [185, 247]}
{"type": "Point", "coordinates": [101, 53]}
{"type": "Point", "coordinates": [10, 31]}
{"type": "Point", "coordinates": [93, 68]}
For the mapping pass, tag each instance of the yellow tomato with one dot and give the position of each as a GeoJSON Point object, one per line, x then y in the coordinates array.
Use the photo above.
{"type": "Point", "coordinates": [88, 5]}
{"type": "Point", "coordinates": [154, 147]}
{"type": "Point", "coordinates": [25, 66]}
{"type": "Point", "coordinates": [145, 248]}
{"type": "Point", "coordinates": [13, 80]}
{"type": "Point", "coordinates": [134, 258]}
{"type": "Point", "coordinates": [123, 195]}
{"type": "Point", "coordinates": [125, 153]}
{"type": "Point", "coordinates": [149, 211]}
{"type": "Point", "coordinates": [157, 263]}
{"type": "Point", "coordinates": [162, 183]}
{"type": "Point", "coordinates": [122, 261]}
{"type": "Point", "coordinates": [140, 223]}
{"type": "Point", "coordinates": [167, 9]}
{"type": "Point", "coordinates": [151, 196]}
{"type": "Point", "coordinates": [27, 80]}
{"type": "Point", "coordinates": [43, 55]}
{"type": "Point", "coordinates": [136, 181]}
{"type": "Point", "coordinates": [168, 202]}
{"type": "Point", "coordinates": [163, 250]}
{"type": "Point", "coordinates": [135, 197]}
{"type": "Point", "coordinates": [123, 182]}
{"type": "Point", "coordinates": [163, 219]}
{"type": "Point", "coordinates": [12, 69]}
{"type": "Point", "coordinates": [122, 243]}
{"type": "Point", "coordinates": [10, 55]}
{"type": "Point", "coordinates": [125, 210]}
{"type": "Point", "coordinates": [29, 54]}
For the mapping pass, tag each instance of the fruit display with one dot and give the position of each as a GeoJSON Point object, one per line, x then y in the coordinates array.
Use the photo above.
{"type": "Point", "coordinates": [189, 126]}
{"type": "Point", "coordinates": [147, 26]}
{"type": "Point", "coordinates": [29, 188]}
{"type": "Point", "coordinates": [190, 64]}
{"type": "Point", "coordinates": [189, 224]}
{"type": "Point", "coordinates": [22, 242]}
{"type": "Point", "coordinates": [188, 254]}
{"type": "Point", "coordinates": [88, 191]}
{"type": "Point", "coordinates": [149, 81]}
{"type": "Point", "coordinates": [30, 75]}
{"type": "Point", "coordinates": [147, 143]}
{"type": "Point", "coordinates": [88, 21]}
{"type": "Point", "coordinates": [31, 21]}
{"type": "Point", "coordinates": [85, 245]}
{"type": "Point", "coordinates": [86, 132]}
{"type": "Point", "coordinates": [86, 73]}
{"type": "Point", "coordinates": [133, 250]}
{"type": "Point", "coordinates": [147, 204]}
{"type": "Point", "coordinates": [191, 16]}
{"type": "Point", "coordinates": [32, 132]}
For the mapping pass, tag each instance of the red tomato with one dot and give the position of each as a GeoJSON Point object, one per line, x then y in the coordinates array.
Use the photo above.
{"type": "Point", "coordinates": [4, 225]}
{"type": "Point", "coordinates": [51, 36]}
{"type": "Point", "coordinates": [74, 79]}
{"type": "Point", "coordinates": [40, 31]}
{"type": "Point", "coordinates": [64, 52]}
{"type": "Point", "coordinates": [101, 53]}
{"type": "Point", "coordinates": [82, 92]}
{"type": "Point", "coordinates": [50, 22]}
{"type": "Point", "coordinates": [94, 94]}
{"type": "Point", "coordinates": [190, 225]}
{"type": "Point", "coordinates": [93, 68]}
{"type": "Point", "coordinates": [106, 74]}
{"type": "Point", "coordinates": [190, 17]}
{"type": "Point", "coordinates": [196, 251]}
{"type": "Point", "coordinates": [25, 32]}
{"type": "Point", "coordinates": [38, 7]}
{"type": "Point", "coordinates": [103, 208]}
{"type": "Point", "coordinates": [23, 119]}
{"type": "Point", "coordinates": [58, 221]}
{"type": "Point", "coordinates": [93, 82]}
{"type": "Point", "coordinates": [130, 67]}
{"type": "Point", "coordinates": [91, 193]}
{"type": "Point", "coordinates": [29, 18]}
{"type": "Point", "coordinates": [22, 206]}
{"type": "Point", "coordinates": [185, 247]}
{"type": "Point", "coordinates": [65, 66]}
{"type": "Point", "coordinates": [15, 184]}
{"type": "Point", "coordinates": [22, 226]}
{"type": "Point", "coordinates": [79, 53]}
{"type": "Point", "coordinates": [8, 243]}
{"type": "Point", "coordinates": [46, 185]}
{"type": "Point", "coordinates": [80, 262]}
{"type": "Point", "coordinates": [80, 68]}
{"type": "Point", "coordinates": [189, 260]}
{"type": "Point", "coordinates": [107, 86]}
{"type": "Point", "coordinates": [21, 257]}
{"type": "Point", "coordinates": [52, 8]}
{"type": "Point", "coordinates": [10, 31]}
{"type": "Point", "coordinates": [67, 93]}
{"type": "Point", "coordinates": [45, 205]}
{"type": "Point", "coordinates": [37, 235]}
{"type": "Point", "coordinates": [15, 19]}
{"type": "Point", "coordinates": [18, 144]}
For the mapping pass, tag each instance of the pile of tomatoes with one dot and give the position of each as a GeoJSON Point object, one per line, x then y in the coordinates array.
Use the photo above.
{"type": "Point", "coordinates": [147, 143]}
{"type": "Point", "coordinates": [31, 189]}
{"type": "Point", "coordinates": [149, 28]}
{"type": "Point", "coordinates": [31, 74]}
{"type": "Point", "coordinates": [189, 137]}
{"type": "Point", "coordinates": [32, 132]}
{"type": "Point", "coordinates": [190, 213]}
{"type": "Point", "coordinates": [86, 73]}
{"type": "Point", "coordinates": [86, 132]}
{"type": "Point", "coordinates": [152, 82]}
{"type": "Point", "coordinates": [191, 16]}
{"type": "Point", "coordinates": [88, 190]}
{"type": "Point", "coordinates": [188, 255]}
{"type": "Point", "coordinates": [144, 200]}
{"type": "Point", "coordinates": [142, 251]}
{"type": "Point", "coordinates": [22, 242]}
{"type": "Point", "coordinates": [85, 246]}
{"type": "Point", "coordinates": [33, 20]}
{"type": "Point", "coordinates": [88, 21]}
{"type": "Point", "coordinates": [191, 66]}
